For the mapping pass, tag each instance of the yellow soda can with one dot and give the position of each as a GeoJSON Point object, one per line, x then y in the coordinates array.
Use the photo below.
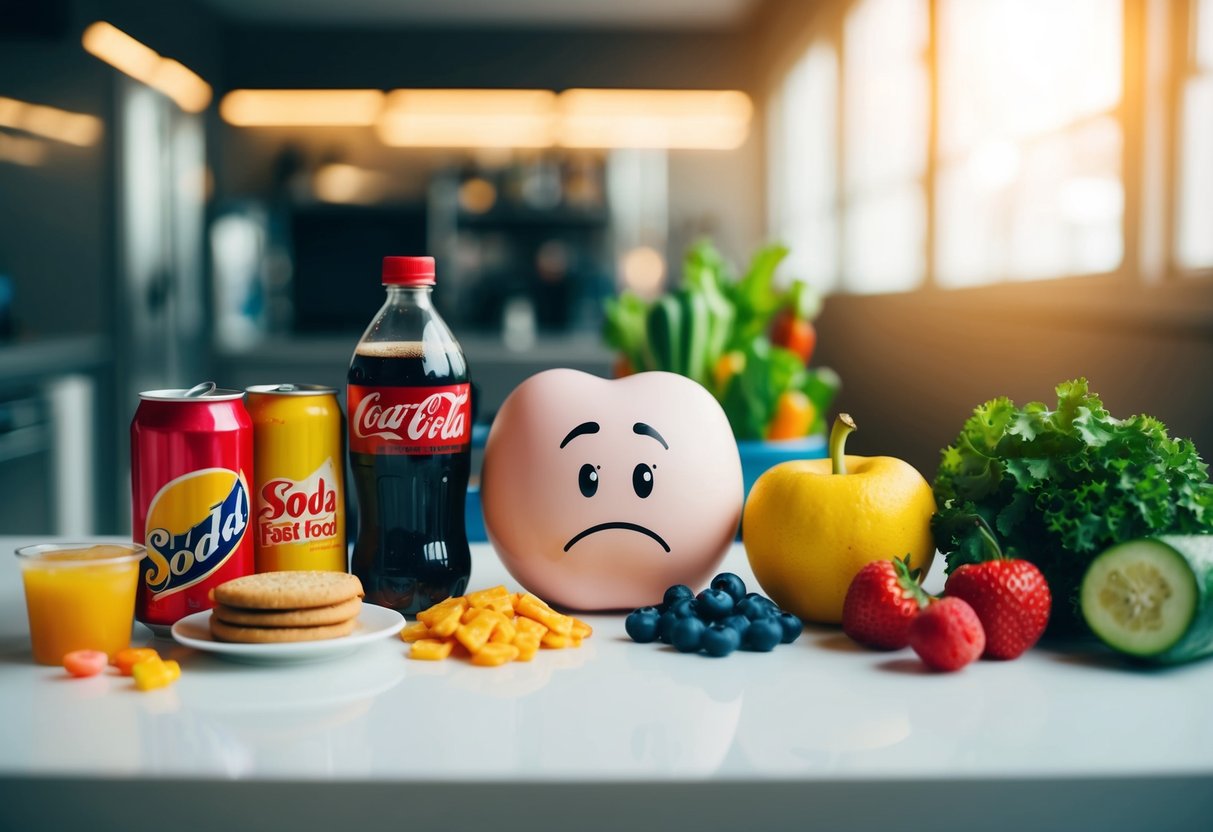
{"type": "Point", "coordinates": [298, 469]}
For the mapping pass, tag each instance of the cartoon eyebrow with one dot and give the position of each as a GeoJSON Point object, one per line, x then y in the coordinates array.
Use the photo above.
{"type": "Point", "coordinates": [584, 427]}
{"type": "Point", "coordinates": [641, 429]}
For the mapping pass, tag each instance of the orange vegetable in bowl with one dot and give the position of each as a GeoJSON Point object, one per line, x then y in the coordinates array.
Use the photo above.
{"type": "Point", "coordinates": [794, 415]}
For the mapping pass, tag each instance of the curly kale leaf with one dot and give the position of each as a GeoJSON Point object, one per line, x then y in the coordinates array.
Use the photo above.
{"type": "Point", "coordinates": [1060, 485]}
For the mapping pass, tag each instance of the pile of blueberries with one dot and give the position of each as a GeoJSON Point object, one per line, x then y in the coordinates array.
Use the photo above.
{"type": "Point", "coordinates": [717, 621]}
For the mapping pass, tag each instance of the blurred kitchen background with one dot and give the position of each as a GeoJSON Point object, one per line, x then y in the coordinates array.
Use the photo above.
{"type": "Point", "coordinates": [995, 195]}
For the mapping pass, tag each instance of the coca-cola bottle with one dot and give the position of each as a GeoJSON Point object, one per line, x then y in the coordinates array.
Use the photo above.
{"type": "Point", "coordinates": [410, 431]}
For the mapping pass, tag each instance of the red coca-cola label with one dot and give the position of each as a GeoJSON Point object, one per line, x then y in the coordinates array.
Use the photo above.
{"type": "Point", "coordinates": [410, 420]}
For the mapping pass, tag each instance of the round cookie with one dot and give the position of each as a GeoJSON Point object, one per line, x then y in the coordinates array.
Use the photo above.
{"type": "Point", "coordinates": [307, 617]}
{"type": "Point", "coordinates": [288, 590]}
{"type": "Point", "coordinates": [279, 635]}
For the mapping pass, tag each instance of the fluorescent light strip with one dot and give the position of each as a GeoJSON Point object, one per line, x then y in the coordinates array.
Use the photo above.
{"type": "Point", "coordinates": [64, 126]}
{"type": "Point", "coordinates": [21, 151]}
{"type": "Point", "coordinates": [469, 118]}
{"type": "Point", "coordinates": [302, 108]}
{"type": "Point", "coordinates": [582, 118]}
{"type": "Point", "coordinates": [676, 119]}
{"type": "Point", "coordinates": [141, 62]}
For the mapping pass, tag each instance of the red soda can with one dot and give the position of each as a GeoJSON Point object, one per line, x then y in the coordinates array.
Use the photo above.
{"type": "Point", "coordinates": [191, 466]}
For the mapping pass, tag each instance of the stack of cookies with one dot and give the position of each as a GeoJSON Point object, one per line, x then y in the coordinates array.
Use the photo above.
{"type": "Point", "coordinates": [277, 607]}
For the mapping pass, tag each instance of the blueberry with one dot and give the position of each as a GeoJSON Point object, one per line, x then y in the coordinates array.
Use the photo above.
{"type": "Point", "coordinates": [763, 635]}
{"type": "Point", "coordinates": [687, 634]}
{"type": "Point", "coordinates": [650, 611]}
{"type": "Point", "coordinates": [719, 640]}
{"type": "Point", "coordinates": [762, 599]}
{"type": "Point", "coordinates": [666, 626]}
{"type": "Point", "coordinates": [677, 593]}
{"type": "Point", "coordinates": [642, 625]}
{"type": "Point", "coordinates": [731, 584]}
{"type": "Point", "coordinates": [791, 627]}
{"type": "Point", "coordinates": [714, 604]}
{"type": "Point", "coordinates": [737, 622]}
{"type": "Point", "coordinates": [755, 607]}
{"type": "Point", "coordinates": [684, 608]}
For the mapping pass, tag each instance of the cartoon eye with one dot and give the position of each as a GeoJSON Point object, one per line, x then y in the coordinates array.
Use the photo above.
{"type": "Point", "coordinates": [642, 480]}
{"type": "Point", "coordinates": [587, 480]}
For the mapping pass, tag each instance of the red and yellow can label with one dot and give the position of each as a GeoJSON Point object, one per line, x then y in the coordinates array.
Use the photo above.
{"type": "Point", "coordinates": [303, 511]}
{"type": "Point", "coordinates": [194, 524]}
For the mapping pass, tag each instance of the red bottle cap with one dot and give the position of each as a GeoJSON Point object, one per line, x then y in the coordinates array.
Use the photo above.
{"type": "Point", "coordinates": [408, 271]}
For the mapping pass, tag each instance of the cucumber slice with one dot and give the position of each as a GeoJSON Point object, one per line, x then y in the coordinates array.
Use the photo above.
{"type": "Point", "coordinates": [1153, 598]}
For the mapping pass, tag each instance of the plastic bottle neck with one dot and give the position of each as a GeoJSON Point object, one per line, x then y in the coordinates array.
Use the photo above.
{"type": "Point", "coordinates": [418, 296]}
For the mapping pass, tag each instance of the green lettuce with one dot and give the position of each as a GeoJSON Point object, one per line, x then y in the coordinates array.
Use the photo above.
{"type": "Point", "coordinates": [1062, 484]}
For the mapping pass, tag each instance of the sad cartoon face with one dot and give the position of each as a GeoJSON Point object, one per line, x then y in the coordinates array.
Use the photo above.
{"type": "Point", "coordinates": [600, 494]}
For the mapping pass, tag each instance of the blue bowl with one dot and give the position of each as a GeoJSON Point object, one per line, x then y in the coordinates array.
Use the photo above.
{"type": "Point", "coordinates": [756, 458]}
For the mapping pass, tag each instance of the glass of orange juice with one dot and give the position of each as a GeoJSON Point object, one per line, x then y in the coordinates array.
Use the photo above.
{"type": "Point", "coordinates": [79, 596]}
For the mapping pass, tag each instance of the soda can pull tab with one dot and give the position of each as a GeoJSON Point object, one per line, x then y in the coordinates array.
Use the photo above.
{"type": "Point", "coordinates": [203, 389]}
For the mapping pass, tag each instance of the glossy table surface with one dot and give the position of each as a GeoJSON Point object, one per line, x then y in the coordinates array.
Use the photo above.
{"type": "Point", "coordinates": [639, 726]}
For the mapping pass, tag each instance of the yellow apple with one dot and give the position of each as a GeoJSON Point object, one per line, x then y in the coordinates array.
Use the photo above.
{"type": "Point", "coordinates": [810, 525]}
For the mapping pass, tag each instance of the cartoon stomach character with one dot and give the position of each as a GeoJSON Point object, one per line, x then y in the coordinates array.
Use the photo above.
{"type": "Point", "coordinates": [599, 494]}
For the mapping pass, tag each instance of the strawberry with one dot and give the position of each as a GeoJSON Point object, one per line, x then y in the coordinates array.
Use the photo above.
{"type": "Point", "coordinates": [1009, 595]}
{"type": "Point", "coordinates": [947, 635]}
{"type": "Point", "coordinates": [882, 600]}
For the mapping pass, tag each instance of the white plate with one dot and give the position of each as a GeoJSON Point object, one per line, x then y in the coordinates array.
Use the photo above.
{"type": "Point", "coordinates": [374, 623]}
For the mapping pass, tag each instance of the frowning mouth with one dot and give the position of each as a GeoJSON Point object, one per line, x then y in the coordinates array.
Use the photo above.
{"type": "Point", "coordinates": [602, 527]}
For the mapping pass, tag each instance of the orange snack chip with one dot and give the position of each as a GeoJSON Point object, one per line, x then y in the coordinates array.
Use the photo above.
{"type": "Point", "coordinates": [475, 634]}
{"type": "Point", "coordinates": [441, 609]}
{"type": "Point", "coordinates": [414, 632]}
{"type": "Point", "coordinates": [528, 646]}
{"type": "Point", "coordinates": [504, 631]}
{"type": "Point", "coordinates": [492, 627]}
{"type": "Point", "coordinates": [533, 608]}
{"type": "Point", "coordinates": [484, 597]}
{"type": "Point", "coordinates": [492, 655]}
{"type": "Point", "coordinates": [581, 629]}
{"type": "Point", "coordinates": [530, 625]}
{"type": "Point", "coordinates": [431, 650]}
{"type": "Point", "coordinates": [447, 624]}
{"type": "Point", "coordinates": [556, 641]}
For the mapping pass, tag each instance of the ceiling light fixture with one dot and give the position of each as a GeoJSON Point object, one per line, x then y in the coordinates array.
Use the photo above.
{"type": "Point", "coordinates": [141, 62]}
{"type": "Point", "coordinates": [302, 108]}
{"type": "Point", "coordinates": [64, 126]}
{"type": "Point", "coordinates": [483, 118]}
{"type": "Point", "coordinates": [672, 119]}
{"type": "Point", "coordinates": [21, 151]}
{"type": "Point", "coordinates": [469, 118]}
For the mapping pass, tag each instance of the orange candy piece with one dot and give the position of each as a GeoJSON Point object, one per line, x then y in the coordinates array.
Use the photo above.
{"type": "Point", "coordinates": [155, 673]}
{"type": "Point", "coordinates": [84, 663]}
{"type": "Point", "coordinates": [125, 660]}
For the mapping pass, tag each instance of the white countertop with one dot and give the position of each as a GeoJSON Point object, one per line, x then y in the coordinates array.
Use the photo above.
{"type": "Point", "coordinates": [613, 735]}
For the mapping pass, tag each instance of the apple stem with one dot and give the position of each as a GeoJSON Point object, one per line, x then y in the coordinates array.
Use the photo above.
{"type": "Point", "coordinates": [843, 425]}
